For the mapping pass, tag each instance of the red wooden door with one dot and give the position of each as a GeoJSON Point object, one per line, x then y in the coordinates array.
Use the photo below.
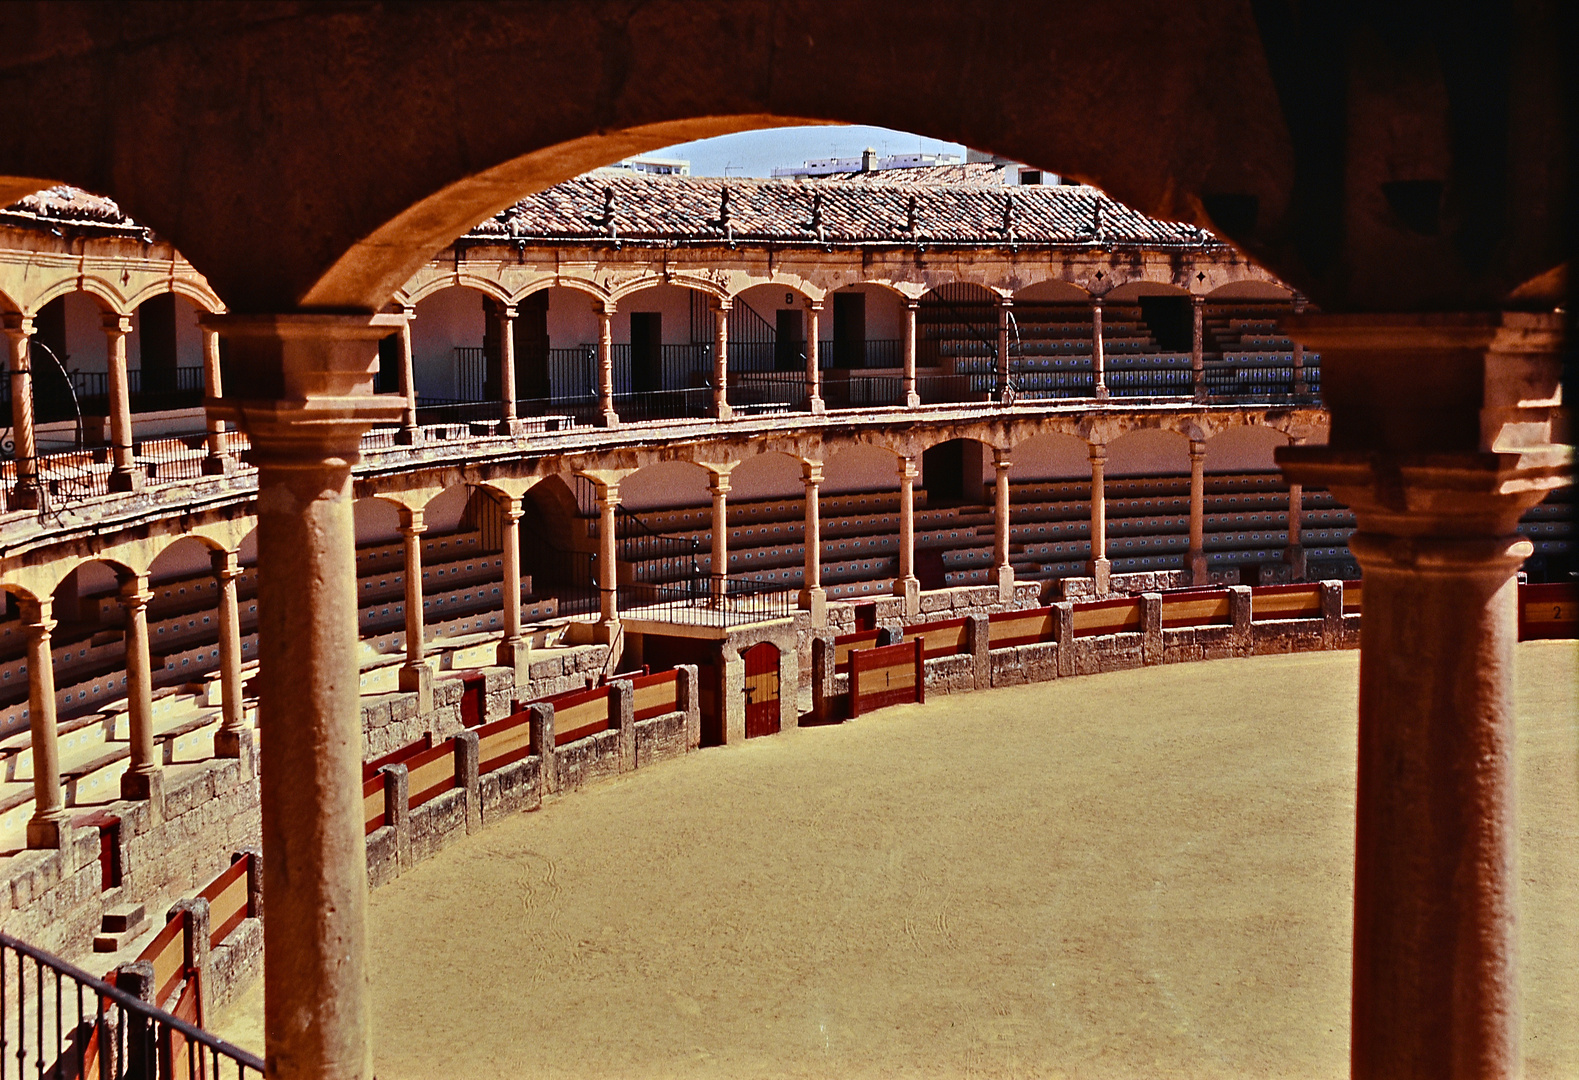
{"type": "Point", "coordinates": [474, 700]}
{"type": "Point", "coordinates": [762, 690]}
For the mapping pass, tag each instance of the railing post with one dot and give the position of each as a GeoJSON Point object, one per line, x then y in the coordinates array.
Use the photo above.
{"type": "Point", "coordinates": [1151, 628]}
{"type": "Point", "coordinates": [978, 642]}
{"type": "Point", "coordinates": [823, 665]}
{"type": "Point", "coordinates": [1239, 609]}
{"type": "Point", "coordinates": [541, 735]}
{"type": "Point", "coordinates": [397, 811]}
{"type": "Point", "coordinates": [721, 409]}
{"type": "Point", "coordinates": [688, 700]}
{"type": "Point", "coordinates": [1198, 348]}
{"type": "Point", "coordinates": [608, 417]}
{"type": "Point", "coordinates": [19, 333]}
{"type": "Point", "coordinates": [142, 1043]}
{"type": "Point", "coordinates": [196, 944]}
{"type": "Point", "coordinates": [912, 397]}
{"type": "Point", "coordinates": [466, 748]}
{"type": "Point", "coordinates": [1064, 634]}
{"type": "Point", "coordinates": [622, 717]}
{"type": "Point", "coordinates": [123, 474]}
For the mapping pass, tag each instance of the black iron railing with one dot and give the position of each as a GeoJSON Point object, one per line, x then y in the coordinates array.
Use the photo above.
{"type": "Point", "coordinates": [664, 404]}
{"type": "Point", "coordinates": [707, 602]}
{"type": "Point", "coordinates": [58, 1021]}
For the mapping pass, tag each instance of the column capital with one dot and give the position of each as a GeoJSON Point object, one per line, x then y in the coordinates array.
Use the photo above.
{"type": "Point", "coordinates": [1005, 302]}
{"type": "Point", "coordinates": [302, 385]}
{"type": "Point", "coordinates": [1197, 450]}
{"type": "Point", "coordinates": [116, 323]}
{"type": "Point", "coordinates": [912, 303]}
{"type": "Point", "coordinates": [134, 592]}
{"type": "Point", "coordinates": [412, 521]}
{"type": "Point", "coordinates": [605, 309]}
{"type": "Point", "coordinates": [226, 565]}
{"type": "Point", "coordinates": [1097, 453]}
{"type": "Point", "coordinates": [813, 305]}
{"type": "Point", "coordinates": [16, 325]}
{"type": "Point", "coordinates": [1002, 460]}
{"type": "Point", "coordinates": [811, 472]}
{"type": "Point", "coordinates": [37, 615]}
{"type": "Point", "coordinates": [507, 311]}
{"type": "Point", "coordinates": [719, 485]}
{"type": "Point", "coordinates": [908, 468]}
{"type": "Point", "coordinates": [722, 305]}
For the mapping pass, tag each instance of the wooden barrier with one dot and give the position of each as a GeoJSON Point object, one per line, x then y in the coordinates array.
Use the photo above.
{"type": "Point", "coordinates": [431, 773]}
{"type": "Point", "coordinates": [1120, 616]}
{"type": "Point", "coordinates": [946, 638]}
{"type": "Point", "coordinates": [504, 742]}
{"type": "Point", "coordinates": [227, 897]}
{"type": "Point", "coordinates": [1351, 597]}
{"type": "Point", "coordinates": [1548, 611]}
{"type": "Point", "coordinates": [845, 644]}
{"type": "Point", "coordinates": [373, 817]}
{"type": "Point", "coordinates": [579, 713]}
{"type": "Point", "coordinates": [396, 757]}
{"type": "Point", "coordinates": [656, 694]}
{"type": "Point", "coordinates": [890, 675]}
{"type": "Point", "coordinates": [1299, 601]}
{"type": "Point", "coordinates": [1196, 607]}
{"type": "Point", "coordinates": [1008, 628]}
{"type": "Point", "coordinates": [167, 953]}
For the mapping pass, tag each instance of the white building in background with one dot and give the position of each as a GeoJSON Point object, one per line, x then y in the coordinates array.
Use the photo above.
{"type": "Point", "coordinates": [869, 161]}
{"type": "Point", "coordinates": [655, 166]}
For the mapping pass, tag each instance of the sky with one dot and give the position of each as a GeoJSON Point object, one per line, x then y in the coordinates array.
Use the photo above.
{"type": "Point", "coordinates": [757, 153]}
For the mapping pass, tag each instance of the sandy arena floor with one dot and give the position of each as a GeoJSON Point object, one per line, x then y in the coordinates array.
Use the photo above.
{"type": "Point", "coordinates": [1143, 874]}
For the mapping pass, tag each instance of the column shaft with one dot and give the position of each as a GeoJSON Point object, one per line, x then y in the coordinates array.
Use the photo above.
{"type": "Point", "coordinates": [415, 675]}
{"type": "Point", "coordinates": [140, 780]}
{"type": "Point", "coordinates": [1196, 561]}
{"type": "Point", "coordinates": [1295, 553]}
{"type": "Point", "coordinates": [1299, 386]}
{"type": "Point", "coordinates": [721, 361]}
{"type": "Point", "coordinates": [1004, 306]}
{"type": "Point", "coordinates": [19, 332]}
{"type": "Point", "coordinates": [1001, 521]}
{"type": "Point", "coordinates": [513, 650]}
{"type": "Point", "coordinates": [233, 730]}
{"type": "Point", "coordinates": [408, 383]}
{"type": "Point", "coordinates": [1098, 566]}
{"type": "Point", "coordinates": [610, 418]}
{"type": "Point", "coordinates": [608, 554]}
{"type": "Point", "coordinates": [720, 492]}
{"type": "Point", "coordinates": [47, 827]}
{"type": "Point", "coordinates": [912, 395]}
{"type": "Point", "coordinates": [907, 585]}
{"type": "Point", "coordinates": [123, 472]}
{"type": "Point", "coordinates": [507, 392]}
{"type": "Point", "coordinates": [1098, 353]}
{"type": "Point", "coordinates": [1198, 349]}
{"type": "Point", "coordinates": [217, 460]}
{"type": "Point", "coordinates": [812, 595]}
{"type": "Point", "coordinates": [814, 401]}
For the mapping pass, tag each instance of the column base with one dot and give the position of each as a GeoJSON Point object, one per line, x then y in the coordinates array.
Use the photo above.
{"type": "Point", "coordinates": [517, 656]}
{"type": "Point", "coordinates": [49, 833]}
{"type": "Point", "coordinates": [816, 405]}
{"type": "Point", "coordinates": [1006, 584]}
{"type": "Point", "coordinates": [238, 745]}
{"type": "Point", "coordinates": [25, 497]}
{"type": "Point", "coordinates": [609, 418]}
{"type": "Point", "coordinates": [815, 600]}
{"type": "Point", "coordinates": [510, 426]}
{"type": "Point", "coordinates": [409, 436]}
{"type": "Point", "coordinates": [1101, 573]}
{"type": "Point", "coordinates": [1198, 570]}
{"type": "Point", "coordinates": [1101, 393]}
{"type": "Point", "coordinates": [912, 400]}
{"type": "Point", "coordinates": [219, 465]}
{"type": "Point", "coordinates": [145, 785]}
{"type": "Point", "coordinates": [418, 679]}
{"type": "Point", "coordinates": [1201, 397]}
{"type": "Point", "coordinates": [126, 480]}
{"type": "Point", "coordinates": [909, 589]}
{"type": "Point", "coordinates": [1295, 557]}
{"type": "Point", "coordinates": [723, 411]}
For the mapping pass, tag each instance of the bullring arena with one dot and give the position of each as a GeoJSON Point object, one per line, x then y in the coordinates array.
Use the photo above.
{"type": "Point", "coordinates": [511, 610]}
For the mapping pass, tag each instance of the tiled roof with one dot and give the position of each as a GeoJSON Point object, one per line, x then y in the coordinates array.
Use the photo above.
{"type": "Point", "coordinates": [969, 172]}
{"type": "Point", "coordinates": [604, 205]}
{"type": "Point", "coordinates": [67, 205]}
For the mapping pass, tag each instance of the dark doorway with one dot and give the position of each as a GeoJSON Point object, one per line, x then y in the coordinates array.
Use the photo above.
{"type": "Point", "coordinates": [531, 347]}
{"type": "Point", "coordinates": [762, 689]}
{"type": "Point", "coordinates": [1171, 321]}
{"type": "Point", "coordinates": [646, 352]}
{"type": "Point", "coordinates": [492, 351]}
{"type": "Point", "coordinates": [387, 381]}
{"type": "Point", "coordinates": [474, 699]}
{"type": "Point", "coordinates": [865, 617]}
{"type": "Point", "coordinates": [849, 330]}
{"type": "Point", "coordinates": [52, 394]}
{"type": "Point", "coordinates": [943, 472]}
{"type": "Point", "coordinates": [661, 653]}
{"type": "Point", "coordinates": [788, 344]}
{"type": "Point", "coordinates": [156, 330]}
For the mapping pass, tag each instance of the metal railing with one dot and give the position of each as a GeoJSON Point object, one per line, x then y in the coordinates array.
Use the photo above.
{"type": "Point", "coordinates": [664, 404]}
{"type": "Point", "coordinates": [58, 1021]}
{"type": "Point", "coordinates": [768, 391]}
{"type": "Point", "coordinates": [707, 601]}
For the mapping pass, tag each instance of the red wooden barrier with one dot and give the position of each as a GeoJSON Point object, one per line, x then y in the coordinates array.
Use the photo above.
{"type": "Point", "coordinates": [845, 644]}
{"type": "Point", "coordinates": [1548, 611]}
{"type": "Point", "coordinates": [1351, 597]}
{"type": "Point", "coordinates": [1099, 617]}
{"type": "Point", "coordinates": [656, 694]}
{"type": "Point", "coordinates": [1196, 607]}
{"type": "Point", "coordinates": [395, 757]}
{"type": "Point", "coordinates": [1297, 601]}
{"type": "Point", "coordinates": [504, 742]}
{"type": "Point", "coordinates": [227, 900]}
{"type": "Point", "coordinates": [373, 817]}
{"type": "Point", "coordinates": [167, 953]}
{"type": "Point", "coordinates": [430, 774]}
{"type": "Point", "coordinates": [1007, 628]}
{"type": "Point", "coordinates": [579, 713]}
{"type": "Point", "coordinates": [945, 638]}
{"type": "Point", "coordinates": [890, 675]}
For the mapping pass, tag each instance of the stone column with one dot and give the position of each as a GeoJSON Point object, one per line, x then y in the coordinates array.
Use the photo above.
{"type": "Point", "coordinates": [514, 652]}
{"type": "Point", "coordinates": [814, 401]}
{"type": "Point", "coordinates": [1000, 532]}
{"type": "Point", "coordinates": [234, 737]}
{"type": "Point", "coordinates": [1098, 354]}
{"type": "Point", "coordinates": [507, 392]}
{"type": "Point", "coordinates": [908, 586]}
{"type": "Point", "coordinates": [912, 395]}
{"type": "Point", "coordinates": [409, 433]}
{"type": "Point", "coordinates": [609, 418]}
{"type": "Point", "coordinates": [144, 777]}
{"type": "Point", "coordinates": [19, 331]}
{"type": "Point", "coordinates": [1294, 554]}
{"type": "Point", "coordinates": [608, 559]}
{"type": "Point", "coordinates": [1442, 435]}
{"type": "Point", "coordinates": [415, 675]}
{"type": "Point", "coordinates": [720, 492]}
{"type": "Point", "coordinates": [1196, 560]}
{"type": "Point", "coordinates": [302, 389]}
{"type": "Point", "coordinates": [721, 408]}
{"type": "Point", "coordinates": [813, 597]}
{"type": "Point", "coordinates": [123, 471]}
{"type": "Point", "coordinates": [1299, 384]}
{"type": "Point", "coordinates": [218, 460]}
{"type": "Point", "coordinates": [1198, 348]}
{"type": "Point", "coordinates": [1005, 304]}
{"type": "Point", "coordinates": [48, 827]}
{"type": "Point", "coordinates": [1098, 566]}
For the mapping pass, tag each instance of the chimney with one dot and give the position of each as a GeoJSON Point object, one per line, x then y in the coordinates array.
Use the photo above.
{"type": "Point", "coordinates": [868, 160]}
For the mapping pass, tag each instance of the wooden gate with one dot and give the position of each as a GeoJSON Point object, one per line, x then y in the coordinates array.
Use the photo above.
{"type": "Point", "coordinates": [762, 690]}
